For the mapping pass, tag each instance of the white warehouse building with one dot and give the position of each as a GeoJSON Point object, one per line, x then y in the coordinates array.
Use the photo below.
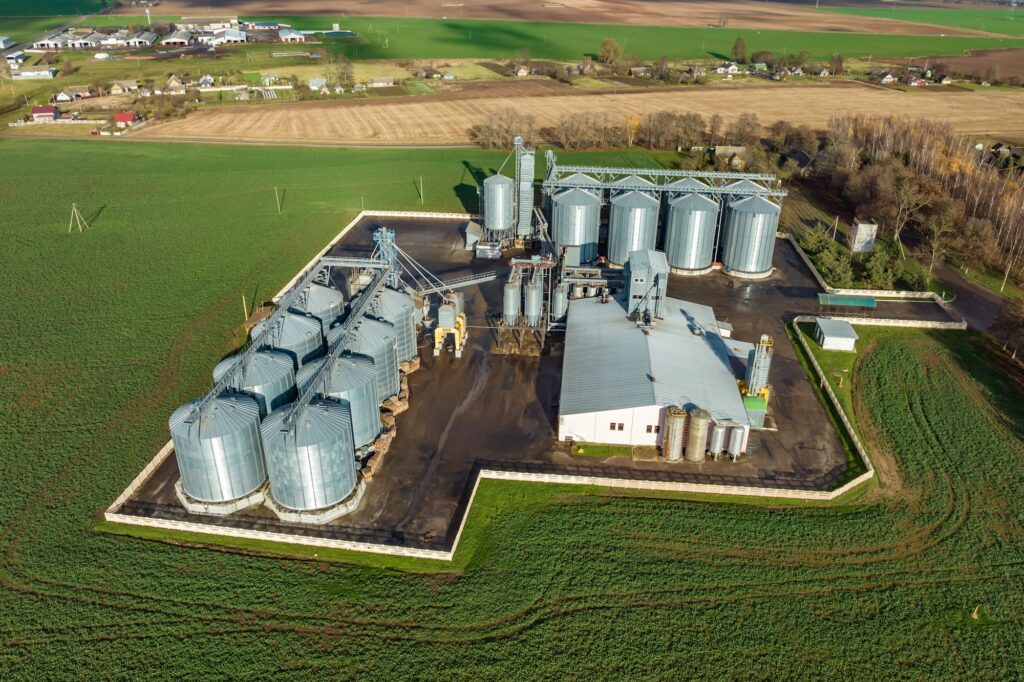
{"type": "Point", "coordinates": [620, 375]}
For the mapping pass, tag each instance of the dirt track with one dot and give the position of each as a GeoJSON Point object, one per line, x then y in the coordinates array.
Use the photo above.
{"type": "Point", "coordinates": [440, 120]}
{"type": "Point", "coordinates": [738, 13]}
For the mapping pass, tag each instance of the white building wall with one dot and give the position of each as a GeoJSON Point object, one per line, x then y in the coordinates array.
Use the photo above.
{"type": "Point", "coordinates": [596, 427]}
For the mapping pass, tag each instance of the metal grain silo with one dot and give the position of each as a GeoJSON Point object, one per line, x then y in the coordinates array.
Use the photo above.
{"type": "Point", "coordinates": [398, 308]}
{"type": "Point", "coordinates": [687, 186]}
{"type": "Point", "coordinates": [576, 221]}
{"type": "Point", "coordinates": [377, 340]}
{"type": "Point", "coordinates": [511, 302]}
{"type": "Point", "coordinates": [352, 381]}
{"type": "Point", "coordinates": [534, 301]}
{"type": "Point", "coordinates": [697, 436]}
{"type": "Point", "coordinates": [304, 377]}
{"type": "Point", "coordinates": [632, 226]}
{"type": "Point", "coordinates": [220, 454]}
{"type": "Point", "coordinates": [267, 375]}
{"type": "Point", "coordinates": [311, 465]}
{"type": "Point", "coordinates": [326, 304]}
{"type": "Point", "coordinates": [690, 232]}
{"type": "Point", "coordinates": [498, 213]}
{"type": "Point", "coordinates": [675, 429]}
{"type": "Point", "coordinates": [631, 183]}
{"type": "Point", "coordinates": [718, 436]}
{"type": "Point", "coordinates": [748, 236]}
{"type": "Point", "coordinates": [300, 336]}
{"type": "Point", "coordinates": [560, 302]}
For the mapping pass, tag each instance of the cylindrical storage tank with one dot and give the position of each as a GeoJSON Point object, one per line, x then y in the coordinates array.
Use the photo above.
{"type": "Point", "coordinates": [220, 454]}
{"type": "Point", "coordinates": [534, 302]}
{"type": "Point", "coordinates": [736, 441]}
{"type": "Point", "coordinates": [326, 304]}
{"type": "Point", "coordinates": [510, 302]}
{"type": "Point", "coordinates": [718, 436]}
{"type": "Point", "coordinates": [697, 439]}
{"type": "Point", "coordinates": [748, 235]}
{"type": "Point", "coordinates": [352, 381]}
{"type": "Point", "coordinates": [560, 302]}
{"type": "Point", "coordinates": [675, 428]}
{"type": "Point", "coordinates": [690, 232]}
{"type": "Point", "coordinates": [376, 340]}
{"type": "Point", "coordinates": [304, 377]}
{"type": "Point", "coordinates": [632, 226]}
{"type": "Point", "coordinates": [300, 336]}
{"type": "Point", "coordinates": [267, 375]}
{"type": "Point", "coordinates": [576, 221]}
{"type": "Point", "coordinates": [498, 213]}
{"type": "Point", "coordinates": [313, 464]}
{"type": "Point", "coordinates": [398, 308]}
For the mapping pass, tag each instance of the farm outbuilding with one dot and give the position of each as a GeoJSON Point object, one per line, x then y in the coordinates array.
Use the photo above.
{"type": "Point", "coordinates": [290, 35]}
{"type": "Point", "coordinates": [835, 334]}
{"type": "Point", "coordinates": [45, 113]}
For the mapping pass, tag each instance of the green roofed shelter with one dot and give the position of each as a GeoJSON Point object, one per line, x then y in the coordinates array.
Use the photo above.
{"type": "Point", "coordinates": [850, 305]}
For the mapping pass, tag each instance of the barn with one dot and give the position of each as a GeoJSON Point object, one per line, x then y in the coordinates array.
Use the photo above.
{"type": "Point", "coordinates": [835, 334]}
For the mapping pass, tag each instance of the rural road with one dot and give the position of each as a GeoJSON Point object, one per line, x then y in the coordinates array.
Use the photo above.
{"type": "Point", "coordinates": [973, 302]}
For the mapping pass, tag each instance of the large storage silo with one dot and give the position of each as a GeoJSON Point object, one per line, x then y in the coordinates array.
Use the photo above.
{"type": "Point", "coordinates": [304, 377]}
{"type": "Point", "coordinates": [632, 226]}
{"type": "Point", "coordinates": [376, 339]}
{"type": "Point", "coordinates": [220, 454]}
{"type": "Point", "coordinates": [697, 435]}
{"type": "Point", "coordinates": [748, 236]}
{"type": "Point", "coordinates": [576, 221]}
{"type": "Point", "coordinates": [326, 304]}
{"type": "Point", "coordinates": [690, 232]}
{"type": "Point", "coordinates": [268, 375]}
{"type": "Point", "coordinates": [300, 336]}
{"type": "Point", "coordinates": [312, 464]}
{"type": "Point", "coordinates": [498, 213]}
{"type": "Point", "coordinates": [398, 308]}
{"type": "Point", "coordinates": [352, 381]}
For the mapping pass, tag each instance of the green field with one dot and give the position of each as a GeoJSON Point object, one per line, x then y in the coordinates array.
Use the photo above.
{"type": "Point", "coordinates": [449, 39]}
{"type": "Point", "coordinates": [1006, 20]}
{"type": "Point", "coordinates": [37, 8]}
{"type": "Point", "coordinates": [27, 28]}
{"type": "Point", "coordinates": [108, 331]}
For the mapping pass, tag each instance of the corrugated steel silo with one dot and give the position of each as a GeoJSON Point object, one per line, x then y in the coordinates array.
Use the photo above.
{"type": "Point", "coordinates": [268, 375]}
{"type": "Point", "coordinates": [498, 213]}
{"type": "Point", "coordinates": [697, 436]}
{"type": "Point", "coordinates": [748, 235]}
{"type": "Point", "coordinates": [632, 226]}
{"type": "Point", "coordinates": [326, 304]}
{"type": "Point", "coordinates": [398, 308]}
{"type": "Point", "coordinates": [534, 301]}
{"type": "Point", "coordinates": [304, 377]}
{"type": "Point", "coordinates": [377, 340]}
{"type": "Point", "coordinates": [675, 428]}
{"type": "Point", "coordinates": [312, 465]}
{"type": "Point", "coordinates": [300, 336]}
{"type": "Point", "coordinates": [352, 381]}
{"type": "Point", "coordinates": [690, 232]}
{"type": "Point", "coordinates": [511, 302]}
{"type": "Point", "coordinates": [576, 221]}
{"type": "Point", "coordinates": [220, 455]}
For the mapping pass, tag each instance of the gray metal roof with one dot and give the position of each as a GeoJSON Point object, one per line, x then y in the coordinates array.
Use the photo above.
{"type": "Point", "coordinates": [836, 329]}
{"type": "Point", "coordinates": [611, 364]}
{"type": "Point", "coordinates": [635, 199]}
{"type": "Point", "coordinates": [649, 258]}
{"type": "Point", "coordinates": [687, 184]}
{"type": "Point", "coordinates": [755, 205]}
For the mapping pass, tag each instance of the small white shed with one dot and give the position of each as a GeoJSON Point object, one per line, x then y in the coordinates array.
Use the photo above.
{"type": "Point", "coordinates": [835, 334]}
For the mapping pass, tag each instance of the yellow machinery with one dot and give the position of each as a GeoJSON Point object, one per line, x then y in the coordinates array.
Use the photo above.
{"type": "Point", "coordinates": [451, 319]}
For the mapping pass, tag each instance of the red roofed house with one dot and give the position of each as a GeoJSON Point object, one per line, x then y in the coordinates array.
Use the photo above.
{"type": "Point", "coordinates": [125, 119]}
{"type": "Point", "coordinates": [45, 113]}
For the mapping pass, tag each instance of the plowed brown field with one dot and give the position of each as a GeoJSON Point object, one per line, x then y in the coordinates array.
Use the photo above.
{"type": "Point", "coordinates": [440, 120]}
{"type": "Point", "coordinates": [737, 14]}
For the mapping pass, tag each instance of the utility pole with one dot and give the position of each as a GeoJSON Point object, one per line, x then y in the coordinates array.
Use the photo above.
{"type": "Point", "coordinates": [421, 189]}
{"type": "Point", "coordinates": [278, 197]}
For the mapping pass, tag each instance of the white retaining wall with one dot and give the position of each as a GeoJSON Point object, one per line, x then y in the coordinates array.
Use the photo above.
{"type": "Point", "coordinates": [888, 322]}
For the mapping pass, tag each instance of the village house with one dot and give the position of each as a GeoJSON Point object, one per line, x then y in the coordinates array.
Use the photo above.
{"type": "Point", "coordinates": [73, 93]}
{"type": "Point", "coordinates": [16, 59]}
{"type": "Point", "coordinates": [381, 82]}
{"type": "Point", "coordinates": [640, 71]}
{"type": "Point", "coordinates": [290, 35]}
{"type": "Point", "coordinates": [125, 119]}
{"type": "Point", "coordinates": [45, 114]}
{"type": "Point", "coordinates": [123, 87]}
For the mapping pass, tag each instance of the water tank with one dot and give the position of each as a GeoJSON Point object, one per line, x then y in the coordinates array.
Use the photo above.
{"type": "Point", "coordinates": [376, 339]}
{"type": "Point", "coordinates": [736, 441]}
{"type": "Point", "coordinates": [398, 308]}
{"type": "Point", "coordinates": [312, 465]}
{"type": "Point", "coordinates": [718, 436]}
{"type": "Point", "coordinates": [510, 303]}
{"type": "Point", "coordinates": [748, 235]}
{"type": "Point", "coordinates": [268, 375]}
{"type": "Point", "coordinates": [697, 438]}
{"type": "Point", "coordinates": [632, 226]}
{"type": "Point", "coordinates": [498, 214]}
{"type": "Point", "coordinates": [675, 428]}
{"type": "Point", "coordinates": [220, 454]}
{"type": "Point", "coordinates": [304, 377]}
{"type": "Point", "coordinates": [300, 336]}
{"type": "Point", "coordinates": [690, 232]}
{"type": "Point", "coordinates": [560, 302]}
{"type": "Point", "coordinates": [352, 381]}
{"type": "Point", "coordinates": [576, 221]}
{"type": "Point", "coordinates": [326, 304]}
{"type": "Point", "coordinates": [534, 301]}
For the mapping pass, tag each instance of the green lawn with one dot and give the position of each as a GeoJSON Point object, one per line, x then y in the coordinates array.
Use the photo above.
{"type": "Point", "coordinates": [1006, 20]}
{"type": "Point", "coordinates": [449, 39]}
{"type": "Point", "coordinates": [106, 332]}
